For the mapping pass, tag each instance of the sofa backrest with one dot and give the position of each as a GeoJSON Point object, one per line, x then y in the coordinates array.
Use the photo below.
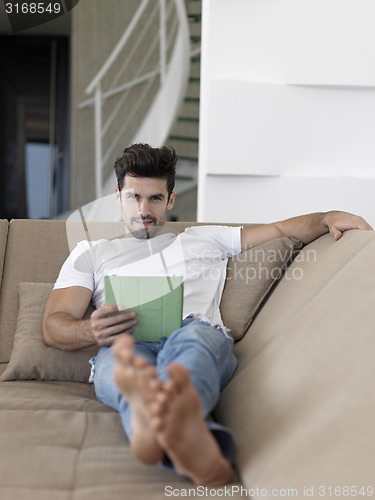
{"type": "Point", "coordinates": [304, 380]}
{"type": "Point", "coordinates": [77, 231]}
{"type": "Point", "coordinates": [3, 240]}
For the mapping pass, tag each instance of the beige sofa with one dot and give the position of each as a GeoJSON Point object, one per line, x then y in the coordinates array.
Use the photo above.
{"type": "Point", "coordinates": [301, 402]}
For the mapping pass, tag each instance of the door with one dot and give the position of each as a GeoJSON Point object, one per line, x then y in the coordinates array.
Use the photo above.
{"type": "Point", "coordinates": [34, 138]}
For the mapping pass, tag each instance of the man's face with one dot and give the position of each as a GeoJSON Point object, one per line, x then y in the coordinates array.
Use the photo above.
{"type": "Point", "coordinates": [144, 204]}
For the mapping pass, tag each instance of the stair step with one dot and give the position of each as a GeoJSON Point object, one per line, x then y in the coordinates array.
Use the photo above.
{"type": "Point", "coordinates": [184, 177]}
{"type": "Point", "coordinates": [195, 46]}
{"type": "Point", "coordinates": [188, 158]}
{"type": "Point", "coordinates": [190, 110]}
{"type": "Point", "coordinates": [195, 18]}
{"type": "Point", "coordinates": [195, 70]}
{"type": "Point", "coordinates": [194, 7]}
{"type": "Point", "coordinates": [181, 138]}
{"type": "Point", "coordinates": [188, 119]}
{"type": "Point", "coordinates": [187, 150]}
{"type": "Point", "coordinates": [184, 135]}
{"type": "Point", "coordinates": [185, 129]}
{"type": "Point", "coordinates": [195, 31]}
{"type": "Point", "coordinates": [187, 171]}
{"type": "Point", "coordinates": [193, 88]}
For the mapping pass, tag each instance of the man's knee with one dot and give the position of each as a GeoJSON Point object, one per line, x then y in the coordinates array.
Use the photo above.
{"type": "Point", "coordinates": [202, 333]}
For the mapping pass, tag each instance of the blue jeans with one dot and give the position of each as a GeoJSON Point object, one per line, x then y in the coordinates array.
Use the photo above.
{"type": "Point", "coordinates": [205, 350]}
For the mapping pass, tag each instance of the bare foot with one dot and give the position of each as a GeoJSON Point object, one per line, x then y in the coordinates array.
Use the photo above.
{"type": "Point", "coordinates": [181, 431]}
{"type": "Point", "coordinates": [138, 382]}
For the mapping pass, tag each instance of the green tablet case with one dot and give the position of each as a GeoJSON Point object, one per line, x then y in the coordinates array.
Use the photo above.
{"type": "Point", "coordinates": [157, 300]}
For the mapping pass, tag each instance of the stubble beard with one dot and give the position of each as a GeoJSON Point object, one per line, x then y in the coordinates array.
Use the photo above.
{"type": "Point", "coordinates": [145, 232]}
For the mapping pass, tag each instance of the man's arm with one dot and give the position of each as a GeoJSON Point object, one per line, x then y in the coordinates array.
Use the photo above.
{"type": "Point", "coordinates": [305, 227]}
{"type": "Point", "coordinates": [64, 328]}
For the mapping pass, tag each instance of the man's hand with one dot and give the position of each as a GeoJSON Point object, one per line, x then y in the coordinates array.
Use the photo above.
{"type": "Point", "coordinates": [105, 329]}
{"type": "Point", "coordinates": [338, 222]}
{"type": "Point", "coordinates": [64, 327]}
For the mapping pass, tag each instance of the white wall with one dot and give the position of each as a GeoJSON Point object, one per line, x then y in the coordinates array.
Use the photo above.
{"type": "Point", "coordinates": [287, 118]}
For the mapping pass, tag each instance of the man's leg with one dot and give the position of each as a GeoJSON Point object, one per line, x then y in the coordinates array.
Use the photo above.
{"type": "Point", "coordinates": [181, 431]}
{"type": "Point", "coordinates": [207, 352]}
{"type": "Point", "coordinates": [196, 362]}
{"type": "Point", "coordinates": [138, 377]}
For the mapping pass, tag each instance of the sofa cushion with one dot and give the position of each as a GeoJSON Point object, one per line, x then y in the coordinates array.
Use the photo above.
{"type": "Point", "coordinates": [31, 359]}
{"type": "Point", "coordinates": [251, 276]}
{"type": "Point", "coordinates": [35, 252]}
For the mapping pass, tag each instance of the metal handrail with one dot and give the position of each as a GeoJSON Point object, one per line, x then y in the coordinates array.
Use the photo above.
{"type": "Point", "coordinates": [125, 37]}
{"type": "Point", "coordinates": [160, 70]}
{"type": "Point", "coordinates": [120, 88]}
{"type": "Point", "coordinates": [135, 81]}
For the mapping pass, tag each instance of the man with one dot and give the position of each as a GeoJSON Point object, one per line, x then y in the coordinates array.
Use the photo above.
{"type": "Point", "coordinates": [164, 391]}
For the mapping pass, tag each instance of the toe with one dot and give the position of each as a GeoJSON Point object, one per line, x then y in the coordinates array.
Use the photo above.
{"type": "Point", "coordinates": [140, 362]}
{"type": "Point", "coordinates": [123, 349]}
{"type": "Point", "coordinates": [179, 374]}
{"type": "Point", "coordinates": [157, 423]}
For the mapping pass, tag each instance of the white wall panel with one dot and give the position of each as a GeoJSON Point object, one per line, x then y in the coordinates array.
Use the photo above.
{"type": "Point", "coordinates": [268, 199]}
{"type": "Point", "coordinates": [270, 129]}
{"type": "Point", "coordinates": [287, 117]}
{"type": "Point", "coordinates": [292, 41]}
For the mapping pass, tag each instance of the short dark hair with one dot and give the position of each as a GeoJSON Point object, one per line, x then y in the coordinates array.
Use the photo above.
{"type": "Point", "coordinates": [141, 160]}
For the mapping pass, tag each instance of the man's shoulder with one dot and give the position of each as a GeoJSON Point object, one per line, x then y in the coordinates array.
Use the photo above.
{"type": "Point", "coordinates": [100, 244]}
{"type": "Point", "coordinates": [90, 250]}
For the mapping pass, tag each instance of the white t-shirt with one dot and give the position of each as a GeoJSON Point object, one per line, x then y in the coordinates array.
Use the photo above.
{"type": "Point", "coordinates": [199, 255]}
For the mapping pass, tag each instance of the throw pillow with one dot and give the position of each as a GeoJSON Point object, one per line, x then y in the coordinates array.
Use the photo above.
{"type": "Point", "coordinates": [31, 358]}
{"type": "Point", "coordinates": [251, 276]}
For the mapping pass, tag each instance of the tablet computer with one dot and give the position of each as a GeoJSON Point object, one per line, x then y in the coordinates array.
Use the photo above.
{"type": "Point", "coordinates": [157, 300]}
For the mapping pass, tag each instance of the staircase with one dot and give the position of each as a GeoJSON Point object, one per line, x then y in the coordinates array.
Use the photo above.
{"type": "Point", "coordinates": [184, 135]}
{"type": "Point", "coordinates": [159, 80]}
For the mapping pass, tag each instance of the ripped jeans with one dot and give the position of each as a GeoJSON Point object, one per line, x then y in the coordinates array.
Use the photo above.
{"type": "Point", "coordinates": [205, 350]}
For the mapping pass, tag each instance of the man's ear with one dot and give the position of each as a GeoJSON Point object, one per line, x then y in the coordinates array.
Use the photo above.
{"type": "Point", "coordinates": [171, 200]}
{"type": "Point", "coordinates": [118, 196]}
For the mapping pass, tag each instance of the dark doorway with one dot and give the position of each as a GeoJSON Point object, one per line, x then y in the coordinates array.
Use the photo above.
{"type": "Point", "coordinates": [34, 145]}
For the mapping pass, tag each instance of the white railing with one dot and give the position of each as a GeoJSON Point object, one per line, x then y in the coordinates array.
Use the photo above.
{"type": "Point", "coordinates": [172, 74]}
